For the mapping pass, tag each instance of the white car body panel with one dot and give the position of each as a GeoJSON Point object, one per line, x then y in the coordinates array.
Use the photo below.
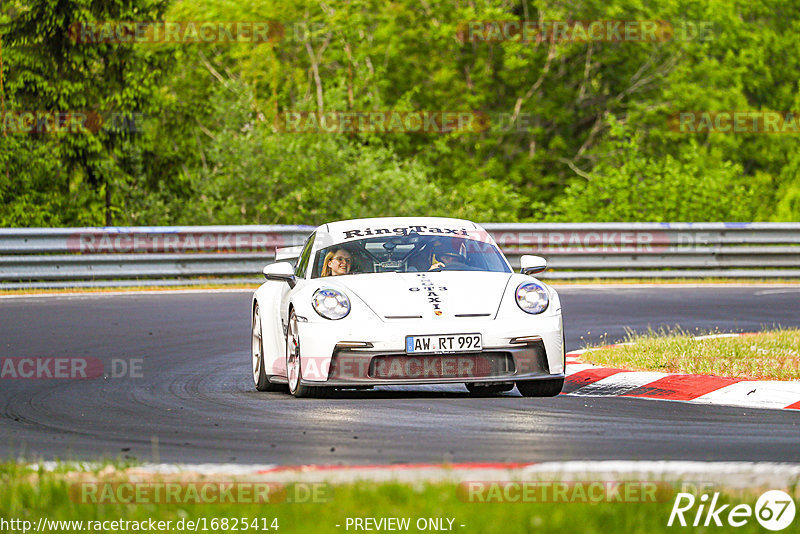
{"type": "Point", "coordinates": [388, 306]}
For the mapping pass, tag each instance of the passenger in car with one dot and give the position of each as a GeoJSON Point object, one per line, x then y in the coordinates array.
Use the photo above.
{"type": "Point", "coordinates": [337, 262]}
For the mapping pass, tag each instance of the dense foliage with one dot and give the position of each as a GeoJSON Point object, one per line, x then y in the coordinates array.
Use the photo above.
{"type": "Point", "coordinates": [579, 130]}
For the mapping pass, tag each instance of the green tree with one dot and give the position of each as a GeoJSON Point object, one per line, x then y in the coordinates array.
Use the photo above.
{"type": "Point", "coordinates": [48, 69]}
{"type": "Point", "coordinates": [573, 122]}
{"type": "Point", "coordinates": [631, 186]}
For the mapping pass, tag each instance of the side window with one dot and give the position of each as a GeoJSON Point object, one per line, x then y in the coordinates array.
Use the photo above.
{"type": "Point", "coordinates": [302, 261]}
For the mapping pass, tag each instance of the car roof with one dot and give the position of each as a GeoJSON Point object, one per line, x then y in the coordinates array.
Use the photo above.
{"type": "Point", "coordinates": [352, 229]}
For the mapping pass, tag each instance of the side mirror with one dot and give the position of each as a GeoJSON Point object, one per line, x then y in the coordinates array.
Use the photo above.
{"type": "Point", "coordinates": [532, 264]}
{"type": "Point", "coordinates": [281, 272]}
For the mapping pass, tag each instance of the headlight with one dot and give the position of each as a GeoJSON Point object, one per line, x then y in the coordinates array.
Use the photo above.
{"type": "Point", "coordinates": [532, 297]}
{"type": "Point", "coordinates": [330, 304]}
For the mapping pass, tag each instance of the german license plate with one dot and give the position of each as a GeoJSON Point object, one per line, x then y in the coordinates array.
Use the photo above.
{"type": "Point", "coordinates": [443, 344]}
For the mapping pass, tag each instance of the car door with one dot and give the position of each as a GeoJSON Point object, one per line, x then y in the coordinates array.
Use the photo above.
{"type": "Point", "coordinates": [286, 293]}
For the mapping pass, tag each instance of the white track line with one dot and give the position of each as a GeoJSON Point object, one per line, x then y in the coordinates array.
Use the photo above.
{"type": "Point", "coordinates": [572, 369]}
{"type": "Point", "coordinates": [754, 394]}
{"type": "Point", "coordinates": [617, 384]}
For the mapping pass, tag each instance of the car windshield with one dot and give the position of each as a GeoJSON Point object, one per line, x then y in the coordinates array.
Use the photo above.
{"type": "Point", "coordinates": [407, 254]}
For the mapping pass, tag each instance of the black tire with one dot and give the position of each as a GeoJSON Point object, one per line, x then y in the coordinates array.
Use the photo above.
{"type": "Point", "coordinates": [479, 390]}
{"type": "Point", "coordinates": [294, 365]}
{"type": "Point", "coordinates": [260, 377]}
{"type": "Point", "coordinates": [540, 388]}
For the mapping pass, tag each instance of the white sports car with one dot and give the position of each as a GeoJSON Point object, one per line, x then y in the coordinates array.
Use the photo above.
{"type": "Point", "coordinates": [391, 301]}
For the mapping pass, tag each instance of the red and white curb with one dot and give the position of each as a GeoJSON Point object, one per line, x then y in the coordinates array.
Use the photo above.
{"type": "Point", "coordinates": [592, 381]}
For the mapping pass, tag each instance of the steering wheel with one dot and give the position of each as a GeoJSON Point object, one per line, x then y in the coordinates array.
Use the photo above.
{"type": "Point", "coordinates": [452, 266]}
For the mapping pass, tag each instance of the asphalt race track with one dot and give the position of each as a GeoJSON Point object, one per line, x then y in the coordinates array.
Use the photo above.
{"type": "Point", "coordinates": [195, 401]}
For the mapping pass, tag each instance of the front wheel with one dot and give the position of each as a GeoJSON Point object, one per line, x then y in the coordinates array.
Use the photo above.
{"type": "Point", "coordinates": [260, 378]}
{"type": "Point", "coordinates": [294, 368]}
{"type": "Point", "coordinates": [540, 388]}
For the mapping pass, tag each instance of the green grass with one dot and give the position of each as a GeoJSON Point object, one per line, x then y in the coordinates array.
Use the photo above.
{"type": "Point", "coordinates": [769, 355]}
{"type": "Point", "coordinates": [28, 495]}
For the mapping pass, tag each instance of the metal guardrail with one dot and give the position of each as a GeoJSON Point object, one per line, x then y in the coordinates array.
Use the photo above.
{"type": "Point", "coordinates": [71, 257]}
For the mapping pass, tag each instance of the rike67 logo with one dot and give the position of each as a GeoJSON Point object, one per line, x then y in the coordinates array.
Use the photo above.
{"type": "Point", "coordinates": [774, 510]}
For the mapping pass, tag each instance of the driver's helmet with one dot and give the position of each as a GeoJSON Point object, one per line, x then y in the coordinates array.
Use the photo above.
{"type": "Point", "coordinates": [451, 252]}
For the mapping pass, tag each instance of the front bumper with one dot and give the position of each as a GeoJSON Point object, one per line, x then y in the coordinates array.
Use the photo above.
{"type": "Point", "coordinates": [329, 358]}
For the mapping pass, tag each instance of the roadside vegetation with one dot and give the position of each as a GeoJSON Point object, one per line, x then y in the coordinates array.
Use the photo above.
{"type": "Point", "coordinates": [246, 285]}
{"type": "Point", "coordinates": [578, 131]}
{"type": "Point", "coordinates": [768, 355]}
{"type": "Point", "coordinates": [30, 495]}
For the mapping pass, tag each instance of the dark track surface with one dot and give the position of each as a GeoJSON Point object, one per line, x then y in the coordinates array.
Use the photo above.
{"type": "Point", "coordinates": [196, 394]}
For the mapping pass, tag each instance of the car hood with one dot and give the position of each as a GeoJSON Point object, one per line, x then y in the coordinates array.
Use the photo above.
{"type": "Point", "coordinates": [444, 294]}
